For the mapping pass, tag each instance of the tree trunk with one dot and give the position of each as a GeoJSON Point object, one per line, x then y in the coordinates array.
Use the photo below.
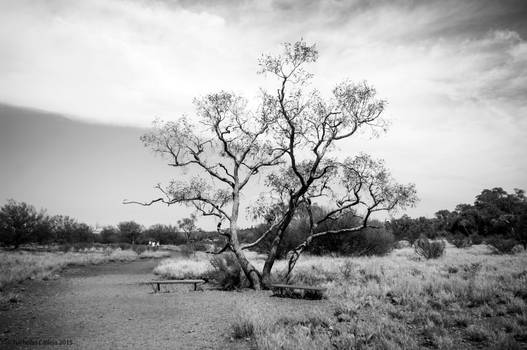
{"type": "Point", "coordinates": [249, 270]}
{"type": "Point", "coordinates": [273, 252]}
{"type": "Point", "coordinates": [269, 262]}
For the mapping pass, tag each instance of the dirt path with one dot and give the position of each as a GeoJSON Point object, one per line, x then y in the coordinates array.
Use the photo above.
{"type": "Point", "coordinates": [100, 307]}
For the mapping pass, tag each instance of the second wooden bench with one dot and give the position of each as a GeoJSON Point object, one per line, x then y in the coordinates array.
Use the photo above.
{"type": "Point", "coordinates": [279, 289]}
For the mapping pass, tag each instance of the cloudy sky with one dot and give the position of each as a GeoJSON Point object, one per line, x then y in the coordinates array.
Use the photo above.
{"type": "Point", "coordinates": [454, 74]}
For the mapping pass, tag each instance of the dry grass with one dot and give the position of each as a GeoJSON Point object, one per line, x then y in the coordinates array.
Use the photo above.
{"type": "Point", "coordinates": [147, 254]}
{"type": "Point", "coordinates": [19, 266]}
{"type": "Point", "coordinates": [401, 301]}
{"type": "Point", "coordinates": [195, 266]}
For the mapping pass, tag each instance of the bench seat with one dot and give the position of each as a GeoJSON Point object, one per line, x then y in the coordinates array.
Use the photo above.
{"type": "Point", "coordinates": [292, 286]}
{"type": "Point", "coordinates": [159, 283]}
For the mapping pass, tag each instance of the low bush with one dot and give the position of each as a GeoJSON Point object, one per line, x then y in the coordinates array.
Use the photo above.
{"type": "Point", "coordinates": [502, 245]}
{"type": "Point", "coordinates": [402, 244]}
{"type": "Point", "coordinates": [517, 249]}
{"type": "Point", "coordinates": [203, 246]}
{"type": "Point", "coordinates": [226, 271]}
{"type": "Point", "coordinates": [461, 241]}
{"type": "Point", "coordinates": [429, 249]}
{"type": "Point", "coordinates": [476, 239]}
{"type": "Point", "coordinates": [186, 250]}
{"type": "Point", "coordinates": [368, 242]}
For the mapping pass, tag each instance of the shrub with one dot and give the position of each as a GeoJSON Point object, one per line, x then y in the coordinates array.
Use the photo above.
{"type": "Point", "coordinates": [347, 269]}
{"type": "Point", "coordinates": [139, 249]}
{"type": "Point", "coordinates": [502, 245]}
{"type": "Point", "coordinates": [517, 249]}
{"type": "Point", "coordinates": [461, 241]}
{"type": "Point", "coordinates": [476, 239]}
{"type": "Point", "coordinates": [368, 242]}
{"type": "Point", "coordinates": [429, 249]}
{"type": "Point", "coordinates": [202, 246]}
{"type": "Point", "coordinates": [186, 250]}
{"type": "Point", "coordinates": [226, 271]}
{"type": "Point", "coordinates": [402, 244]}
{"type": "Point", "coordinates": [477, 334]}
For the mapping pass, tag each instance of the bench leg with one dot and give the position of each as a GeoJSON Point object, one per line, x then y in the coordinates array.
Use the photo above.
{"type": "Point", "coordinates": [159, 287]}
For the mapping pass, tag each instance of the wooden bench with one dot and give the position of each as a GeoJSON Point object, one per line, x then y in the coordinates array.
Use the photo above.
{"type": "Point", "coordinates": [158, 284]}
{"type": "Point", "coordinates": [279, 289]}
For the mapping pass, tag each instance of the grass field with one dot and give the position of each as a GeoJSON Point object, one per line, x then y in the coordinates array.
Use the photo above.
{"type": "Point", "coordinates": [469, 298]}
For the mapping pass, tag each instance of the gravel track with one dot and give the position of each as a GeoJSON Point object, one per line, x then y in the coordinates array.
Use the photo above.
{"type": "Point", "coordinates": [103, 307]}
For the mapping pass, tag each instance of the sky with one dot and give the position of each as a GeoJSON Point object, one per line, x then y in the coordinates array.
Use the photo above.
{"type": "Point", "coordinates": [80, 81]}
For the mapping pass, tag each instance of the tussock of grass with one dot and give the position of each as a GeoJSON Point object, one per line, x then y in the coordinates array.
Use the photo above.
{"type": "Point", "coordinates": [123, 255]}
{"type": "Point", "coordinates": [180, 268]}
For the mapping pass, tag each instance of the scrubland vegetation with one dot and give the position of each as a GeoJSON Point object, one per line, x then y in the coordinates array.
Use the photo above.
{"type": "Point", "coordinates": [464, 298]}
{"type": "Point", "coordinates": [468, 298]}
{"type": "Point", "coordinates": [45, 262]}
{"type": "Point", "coordinates": [22, 265]}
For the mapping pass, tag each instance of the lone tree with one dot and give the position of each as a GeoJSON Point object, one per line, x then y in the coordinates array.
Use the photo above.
{"type": "Point", "coordinates": [19, 223]}
{"type": "Point", "coordinates": [293, 132]}
{"type": "Point", "coordinates": [130, 231]}
{"type": "Point", "coordinates": [187, 225]}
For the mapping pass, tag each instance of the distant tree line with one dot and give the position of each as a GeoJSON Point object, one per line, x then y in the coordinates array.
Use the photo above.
{"type": "Point", "coordinates": [495, 214]}
{"type": "Point", "coordinates": [22, 223]}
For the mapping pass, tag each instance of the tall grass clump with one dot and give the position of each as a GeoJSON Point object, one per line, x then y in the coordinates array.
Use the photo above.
{"type": "Point", "coordinates": [429, 249]}
{"type": "Point", "coordinates": [123, 255]}
{"type": "Point", "coordinates": [191, 268]}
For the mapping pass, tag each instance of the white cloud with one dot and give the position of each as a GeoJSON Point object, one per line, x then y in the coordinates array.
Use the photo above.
{"type": "Point", "coordinates": [117, 61]}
